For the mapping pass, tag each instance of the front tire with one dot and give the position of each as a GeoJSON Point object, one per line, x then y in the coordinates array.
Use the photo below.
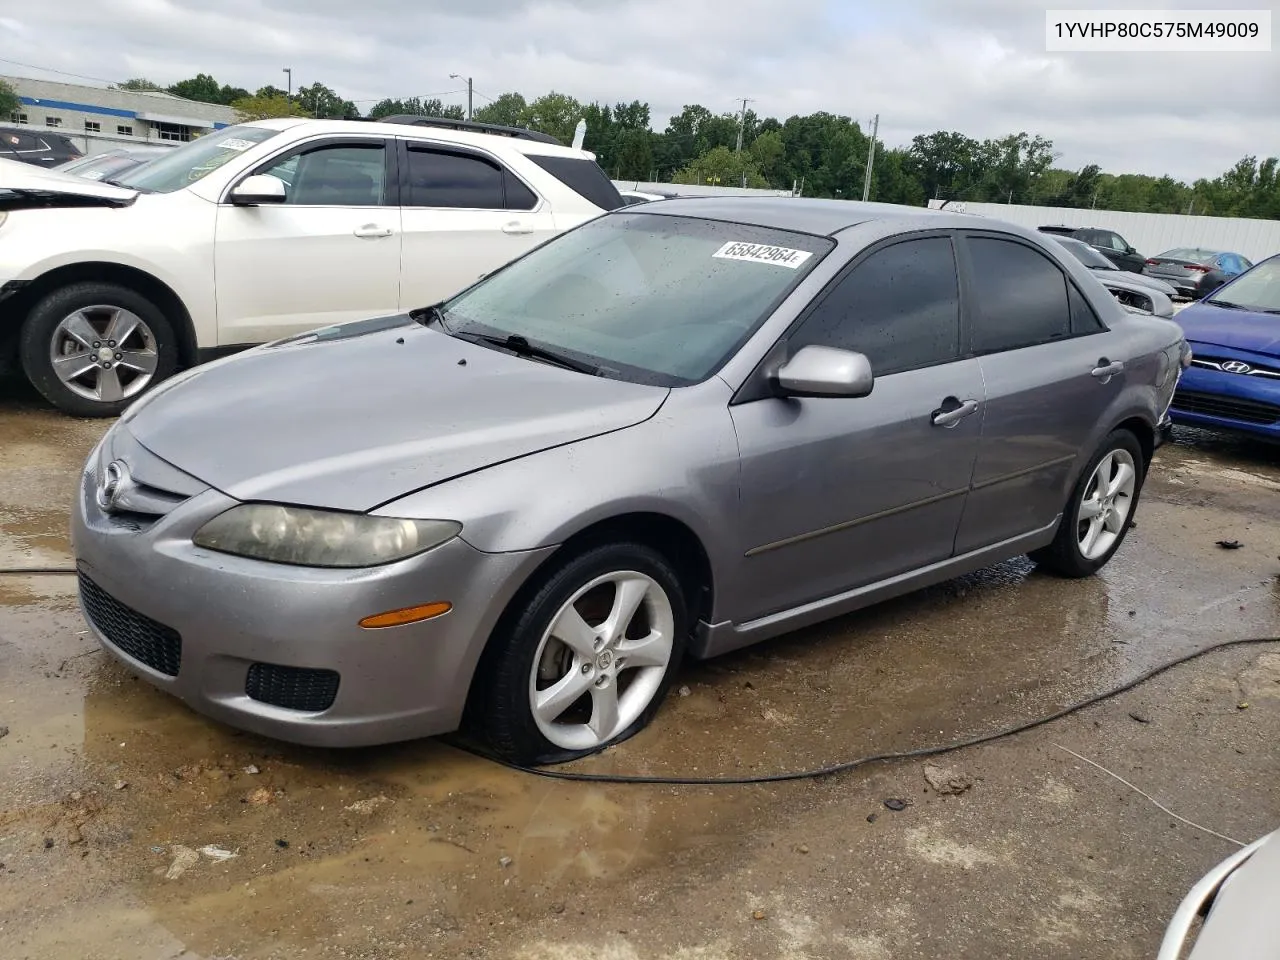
{"type": "Point", "coordinates": [93, 348]}
{"type": "Point", "coordinates": [585, 660]}
{"type": "Point", "coordinates": [1100, 511]}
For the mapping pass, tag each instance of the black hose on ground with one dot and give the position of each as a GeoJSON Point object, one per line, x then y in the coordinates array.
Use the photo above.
{"type": "Point", "coordinates": [37, 571]}
{"type": "Point", "coordinates": [844, 767]}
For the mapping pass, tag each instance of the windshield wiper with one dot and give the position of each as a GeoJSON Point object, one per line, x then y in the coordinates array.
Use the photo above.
{"type": "Point", "coordinates": [1228, 304]}
{"type": "Point", "coordinates": [520, 346]}
{"type": "Point", "coordinates": [429, 315]}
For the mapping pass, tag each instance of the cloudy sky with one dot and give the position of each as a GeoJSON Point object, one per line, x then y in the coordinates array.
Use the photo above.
{"type": "Point", "coordinates": [977, 66]}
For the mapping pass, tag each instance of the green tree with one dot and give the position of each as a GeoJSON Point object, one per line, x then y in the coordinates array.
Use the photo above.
{"type": "Point", "coordinates": [508, 111]}
{"type": "Point", "coordinates": [722, 167]}
{"type": "Point", "coordinates": [266, 108]}
{"type": "Point", "coordinates": [201, 87]}
{"type": "Point", "coordinates": [9, 102]}
{"type": "Point", "coordinates": [318, 100]}
{"type": "Point", "coordinates": [139, 83]}
{"type": "Point", "coordinates": [768, 152]}
{"type": "Point", "coordinates": [417, 107]}
{"type": "Point", "coordinates": [229, 95]}
{"type": "Point", "coordinates": [945, 164]}
{"type": "Point", "coordinates": [556, 114]}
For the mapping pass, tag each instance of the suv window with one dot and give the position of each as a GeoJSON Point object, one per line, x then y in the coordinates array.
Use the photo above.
{"type": "Point", "coordinates": [900, 306]}
{"type": "Point", "coordinates": [438, 178]}
{"type": "Point", "coordinates": [1114, 241]}
{"type": "Point", "coordinates": [336, 175]}
{"type": "Point", "coordinates": [1021, 296]}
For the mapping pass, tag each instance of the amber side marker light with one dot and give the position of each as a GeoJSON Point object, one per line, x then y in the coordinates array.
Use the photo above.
{"type": "Point", "coordinates": [398, 618]}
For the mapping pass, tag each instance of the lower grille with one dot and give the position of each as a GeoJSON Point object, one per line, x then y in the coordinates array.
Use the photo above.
{"type": "Point", "coordinates": [294, 688]}
{"type": "Point", "coordinates": [1230, 408]}
{"type": "Point", "coordinates": [142, 638]}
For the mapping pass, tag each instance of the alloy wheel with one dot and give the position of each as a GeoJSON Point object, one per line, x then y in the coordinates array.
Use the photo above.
{"type": "Point", "coordinates": [104, 353]}
{"type": "Point", "coordinates": [602, 660]}
{"type": "Point", "coordinates": [1106, 504]}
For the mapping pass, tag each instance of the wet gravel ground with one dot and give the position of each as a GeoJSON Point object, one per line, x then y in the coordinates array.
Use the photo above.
{"type": "Point", "coordinates": [132, 828]}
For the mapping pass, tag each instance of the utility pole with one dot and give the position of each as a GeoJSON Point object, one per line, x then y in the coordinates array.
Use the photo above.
{"type": "Point", "coordinates": [288, 72]}
{"type": "Point", "coordinates": [742, 121]}
{"type": "Point", "coordinates": [1191, 204]}
{"type": "Point", "coordinates": [470, 91]}
{"type": "Point", "coordinates": [871, 157]}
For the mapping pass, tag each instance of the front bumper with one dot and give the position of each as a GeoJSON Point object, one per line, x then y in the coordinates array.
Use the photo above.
{"type": "Point", "coordinates": [252, 636]}
{"type": "Point", "coordinates": [1216, 400]}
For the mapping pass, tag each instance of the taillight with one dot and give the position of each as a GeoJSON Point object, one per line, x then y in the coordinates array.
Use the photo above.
{"type": "Point", "coordinates": [1196, 268]}
{"type": "Point", "coordinates": [1153, 263]}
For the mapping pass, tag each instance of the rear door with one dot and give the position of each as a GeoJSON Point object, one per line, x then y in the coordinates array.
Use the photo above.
{"type": "Point", "coordinates": [1051, 371]}
{"type": "Point", "coordinates": [465, 213]}
{"type": "Point", "coordinates": [842, 492]}
{"type": "Point", "coordinates": [330, 253]}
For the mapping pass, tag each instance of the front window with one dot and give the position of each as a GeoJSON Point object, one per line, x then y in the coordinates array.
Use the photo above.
{"type": "Point", "coordinates": [653, 299]}
{"type": "Point", "coordinates": [1257, 290]}
{"type": "Point", "coordinates": [185, 165]}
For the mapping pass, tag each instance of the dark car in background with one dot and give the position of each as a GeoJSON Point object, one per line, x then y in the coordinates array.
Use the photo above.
{"type": "Point", "coordinates": [37, 147]}
{"type": "Point", "coordinates": [1107, 242]}
{"type": "Point", "coordinates": [1233, 382]}
{"type": "Point", "coordinates": [105, 166]}
{"type": "Point", "coordinates": [1194, 271]}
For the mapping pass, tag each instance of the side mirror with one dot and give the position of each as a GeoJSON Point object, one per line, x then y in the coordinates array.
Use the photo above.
{"type": "Point", "coordinates": [262, 188]}
{"type": "Point", "coordinates": [825, 372]}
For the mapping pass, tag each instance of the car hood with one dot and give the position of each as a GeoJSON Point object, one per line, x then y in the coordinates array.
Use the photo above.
{"type": "Point", "coordinates": [1238, 329]}
{"type": "Point", "coordinates": [354, 416]}
{"type": "Point", "coordinates": [22, 184]}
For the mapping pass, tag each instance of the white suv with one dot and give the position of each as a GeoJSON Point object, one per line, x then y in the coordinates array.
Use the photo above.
{"type": "Point", "coordinates": [260, 231]}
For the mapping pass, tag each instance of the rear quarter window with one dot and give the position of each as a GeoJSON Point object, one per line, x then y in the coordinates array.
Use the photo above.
{"type": "Point", "coordinates": [584, 177]}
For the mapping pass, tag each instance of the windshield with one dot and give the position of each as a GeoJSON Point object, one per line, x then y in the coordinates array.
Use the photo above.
{"type": "Point", "coordinates": [1086, 254]}
{"type": "Point", "coordinates": [187, 164]}
{"type": "Point", "coordinates": [649, 298]}
{"type": "Point", "coordinates": [1259, 289]}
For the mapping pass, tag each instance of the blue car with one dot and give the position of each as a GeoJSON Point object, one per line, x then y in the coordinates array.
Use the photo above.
{"type": "Point", "coordinates": [1233, 382]}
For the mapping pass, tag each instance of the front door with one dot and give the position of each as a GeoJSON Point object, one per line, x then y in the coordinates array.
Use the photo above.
{"type": "Point", "coordinates": [838, 493]}
{"type": "Point", "coordinates": [465, 214]}
{"type": "Point", "coordinates": [1051, 372]}
{"type": "Point", "coordinates": [330, 253]}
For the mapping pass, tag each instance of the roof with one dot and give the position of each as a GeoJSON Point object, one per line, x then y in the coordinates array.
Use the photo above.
{"type": "Point", "coordinates": [444, 134]}
{"type": "Point", "coordinates": [801, 214]}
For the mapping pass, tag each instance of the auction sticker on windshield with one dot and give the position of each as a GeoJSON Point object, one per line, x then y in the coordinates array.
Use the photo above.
{"type": "Point", "coordinates": [762, 253]}
{"type": "Point", "coordinates": [235, 143]}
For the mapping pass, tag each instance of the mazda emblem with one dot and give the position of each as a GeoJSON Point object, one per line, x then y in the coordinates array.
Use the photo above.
{"type": "Point", "coordinates": [115, 481]}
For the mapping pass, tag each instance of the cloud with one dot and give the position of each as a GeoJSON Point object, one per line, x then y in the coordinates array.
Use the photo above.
{"type": "Point", "coordinates": [979, 67]}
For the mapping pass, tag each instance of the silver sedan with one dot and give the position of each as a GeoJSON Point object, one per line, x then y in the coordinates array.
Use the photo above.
{"type": "Point", "coordinates": [677, 430]}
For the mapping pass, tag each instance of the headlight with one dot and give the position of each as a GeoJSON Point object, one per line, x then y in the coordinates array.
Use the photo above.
{"type": "Point", "coordinates": [320, 538]}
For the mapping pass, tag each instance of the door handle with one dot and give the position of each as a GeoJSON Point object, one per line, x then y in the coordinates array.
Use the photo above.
{"type": "Point", "coordinates": [516, 226]}
{"type": "Point", "coordinates": [1106, 369]}
{"type": "Point", "coordinates": [371, 231]}
{"type": "Point", "coordinates": [953, 411]}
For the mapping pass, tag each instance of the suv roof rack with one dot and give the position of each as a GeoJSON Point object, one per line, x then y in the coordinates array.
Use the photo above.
{"type": "Point", "coordinates": [520, 133]}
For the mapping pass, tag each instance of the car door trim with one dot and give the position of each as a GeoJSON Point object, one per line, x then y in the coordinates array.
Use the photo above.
{"type": "Point", "coordinates": [858, 521]}
{"type": "Point", "coordinates": [1024, 472]}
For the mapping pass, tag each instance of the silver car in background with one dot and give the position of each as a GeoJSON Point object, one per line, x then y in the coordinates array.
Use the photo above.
{"type": "Point", "coordinates": [1134, 291]}
{"type": "Point", "coordinates": [679, 429]}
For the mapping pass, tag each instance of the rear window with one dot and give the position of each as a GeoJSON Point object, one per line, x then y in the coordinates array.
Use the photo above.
{"type": "Point", "coordinates": [583, 177]}
{"type": "Point", "coordinates": [1188, 253]}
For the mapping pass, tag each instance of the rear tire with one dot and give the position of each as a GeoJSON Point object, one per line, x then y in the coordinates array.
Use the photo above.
{"type": "Point", "coordinates": [92, 348]}
{"type": "Point", "coordinates": [583, 662]}
{"type": "Point", "coordinates": [1101, 510]}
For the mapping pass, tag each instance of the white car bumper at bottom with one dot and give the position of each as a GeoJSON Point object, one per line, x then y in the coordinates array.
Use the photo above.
{"type": "Point", "coordinates": [1238, 900]}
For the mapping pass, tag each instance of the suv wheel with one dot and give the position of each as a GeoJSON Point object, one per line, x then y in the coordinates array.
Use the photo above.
{"type": "Point", "coordinates": [1100, 510]}
{"type": "Point", "coordinates": [92, 348]}
{"type": "Point", "coordinates": [586, 660]}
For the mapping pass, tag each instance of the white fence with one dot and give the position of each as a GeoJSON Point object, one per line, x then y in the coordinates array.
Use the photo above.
{"type": "Point", "coordinates": [1150, 233]}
